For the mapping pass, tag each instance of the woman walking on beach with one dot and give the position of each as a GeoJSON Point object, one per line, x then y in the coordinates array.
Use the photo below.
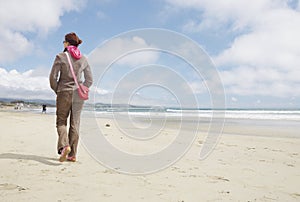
{"type": "Point", "coordinates": [68, 103]}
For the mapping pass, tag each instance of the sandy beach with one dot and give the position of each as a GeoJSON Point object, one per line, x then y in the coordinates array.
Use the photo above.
{"type": "Point", "coordinates": [262, 164]}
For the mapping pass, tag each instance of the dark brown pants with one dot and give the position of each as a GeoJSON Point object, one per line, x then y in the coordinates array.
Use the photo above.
{"type": "Point", "coordinates": [68, 104]}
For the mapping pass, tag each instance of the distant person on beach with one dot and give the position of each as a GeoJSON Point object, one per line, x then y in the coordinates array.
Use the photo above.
{"type": "Point", "coordinates": [68, 102]}
{"type": "Point", "coordinates": [44, 109]}
{"type": "Point", "coordinates": [19, 106]}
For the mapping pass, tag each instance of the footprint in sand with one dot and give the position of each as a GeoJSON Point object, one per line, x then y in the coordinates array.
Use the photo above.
{"type": "Point", "coordinates": [200, 142]}
{"type": "Point", "coordinates": [219, 178]}
{"type": "Point", "coordinates": [295, 195]}
{"type": "Point", "coordinates": [293, 154]}
{"type": "Point", "coordinates": [110, 171]}
{"type": "Point", "coordinates": [7, 186]}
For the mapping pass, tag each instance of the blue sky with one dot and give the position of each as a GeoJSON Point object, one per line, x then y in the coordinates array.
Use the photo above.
{"type": "Point", "coordinates": [255, 46]}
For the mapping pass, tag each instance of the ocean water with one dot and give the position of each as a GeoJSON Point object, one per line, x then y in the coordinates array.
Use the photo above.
{"type": "Point", "coordinates": [248, 114]}
{"type": "Point", "coordinates": [254, 122]}
{"type": "Point", "coordinates": [228, 114]}
{"type": "Point", "coordinates": [293, 115]}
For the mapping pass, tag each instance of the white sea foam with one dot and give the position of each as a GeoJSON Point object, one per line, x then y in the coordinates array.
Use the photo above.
{"type": "Point", "coordinates": [292, 115]}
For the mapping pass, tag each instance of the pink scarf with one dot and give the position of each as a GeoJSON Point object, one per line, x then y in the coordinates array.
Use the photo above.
{"type": "Point", "coordinates": [74, 51]}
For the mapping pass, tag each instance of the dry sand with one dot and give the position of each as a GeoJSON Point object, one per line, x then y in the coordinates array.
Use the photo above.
{"type": "Point", "coordinates": [241, 168]}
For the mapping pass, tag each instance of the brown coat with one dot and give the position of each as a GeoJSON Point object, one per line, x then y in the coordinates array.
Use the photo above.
{"type": "Point", "coordinates": [61, 78]}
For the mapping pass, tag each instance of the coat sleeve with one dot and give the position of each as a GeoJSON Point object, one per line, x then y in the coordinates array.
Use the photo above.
{"type": "Point", "coordinates": [88, 77]}
{"type": "Point", "coordinates": [53, 77]}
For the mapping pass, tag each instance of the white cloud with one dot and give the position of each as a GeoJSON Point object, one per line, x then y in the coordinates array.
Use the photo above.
{"type": "Point", "coordinates": [13, 45]}
{"type": "Point", "coordinates": [265, 82]}
{"type": "Point", "coordinates": [18, 18]}
{"type": "Point", "coordinates": [15, 84]}
{"type": "Point", "coordinates": [198, 87]}
{"type": "Point", "coordinates": [263, 58]}
{"type": "Point", "coordinates": [99, 91]}
{"type": "Point", "coordinates": [124, 51]}
{"type": "Point", "coordinates": [273, 43]}
{"type": "Point", "coordinates": [238, 13]}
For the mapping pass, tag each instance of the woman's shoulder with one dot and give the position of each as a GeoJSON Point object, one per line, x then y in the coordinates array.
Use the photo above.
{"type": "Point", "coordinates": [83, 59]}
{"type": "Point", "coordinates": [60, 55]}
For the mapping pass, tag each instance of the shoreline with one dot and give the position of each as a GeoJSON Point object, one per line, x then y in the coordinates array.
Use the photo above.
{"type": "Point", "coordinates": [232, 126]}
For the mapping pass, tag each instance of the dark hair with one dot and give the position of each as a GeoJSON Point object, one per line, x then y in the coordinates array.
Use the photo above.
{"type": "Point", "coordinates": [73, 39]}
